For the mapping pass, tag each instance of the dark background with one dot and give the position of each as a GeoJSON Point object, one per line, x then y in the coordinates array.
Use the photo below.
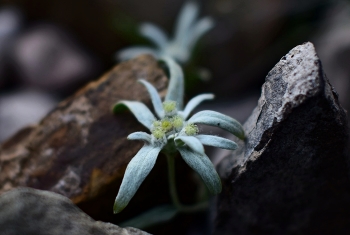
{"type": "Point", "coordinates": [48, 49]}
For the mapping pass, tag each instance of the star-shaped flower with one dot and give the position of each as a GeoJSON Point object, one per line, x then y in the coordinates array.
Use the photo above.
{"type": "Point", "coordinates": [173, 131]}
{"type": "Point", "coordinates": [187, 33]}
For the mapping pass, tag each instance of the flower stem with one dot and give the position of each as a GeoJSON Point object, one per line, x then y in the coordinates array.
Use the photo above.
{"type": "Point", "coordinates": [173, 191]}
{"type": "Point", "coordinates": [172, 182]}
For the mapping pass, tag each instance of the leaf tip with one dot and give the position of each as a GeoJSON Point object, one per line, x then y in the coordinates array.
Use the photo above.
{"type": "Point", "coordinates": [117, 208]}
{"type": "Point", "coordinates": [119, 107]}
{"type": "Point", "coordinates": [241, 135]}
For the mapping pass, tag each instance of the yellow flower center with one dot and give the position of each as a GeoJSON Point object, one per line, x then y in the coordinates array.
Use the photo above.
{"type": "Point", "coordinates": [166, 125]}
{"type": "Point", "coordinates": [158, 133]}
{"type": "Point", "coordinates": [169, 106]}
{"type": "Point", "coordinates": [191, 129]}
{"type": "Point", "coordinates": [177, 122]}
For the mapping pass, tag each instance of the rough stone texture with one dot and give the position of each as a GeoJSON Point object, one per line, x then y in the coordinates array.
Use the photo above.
{"type": "Point", "coordinates": [80, 148]}
{"type": "Point", "coordinates": [291, 177]}
{"type": "Point", "coordinates": [36, 212]}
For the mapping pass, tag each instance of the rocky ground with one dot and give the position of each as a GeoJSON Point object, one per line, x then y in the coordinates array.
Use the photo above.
{"type": "Point", "coordinates": [290, 175]}
{"type": "Point", "coordinates": [63, 153]}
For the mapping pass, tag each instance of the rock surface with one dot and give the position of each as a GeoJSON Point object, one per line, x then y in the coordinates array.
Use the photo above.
{"type": "Point", "coordinates": [80, 148]}
{"type": "Point", "coordinates": [36, 212]}
{"type": "Point", "coordinates": [291, 177]}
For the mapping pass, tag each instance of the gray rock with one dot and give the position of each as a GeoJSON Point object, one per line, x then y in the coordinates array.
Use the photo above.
{"type": "Point", "coordinates": [291, 176]}
{"type": "Point", "coordinates": [36, 212]}
{"type": "Point", "coordinates": [21, 108]}
{"type": "Point", "coordinates": [47, 57]}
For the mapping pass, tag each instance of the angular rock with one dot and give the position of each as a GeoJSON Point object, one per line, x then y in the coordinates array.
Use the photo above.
{"type": "Point", "coordinates": [37, 212]}
{"type": "Point", "coordinates": [80, 148]}
{"type": "Point", "coordinates": [292, 175]}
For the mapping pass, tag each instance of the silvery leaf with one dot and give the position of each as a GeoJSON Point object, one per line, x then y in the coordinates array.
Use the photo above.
{"type": "Point", "coordinates": [176, 83]}
{"type": "Point", "coordinates": [136, 171]}
{"type": "Point", "coordinates": [192, 142]}
{"type": "Point", "coordinates": [216, 141]}
{"type": "Point", "coordinates": [213, 118]}
{"type": "Point", "coordinates": [194, 102]}
{"type": "Point", "coordinates": [203, 166]}
{"type": "Point", "coordinates": [198, 30]}
{"type": "Point", "coordinates": [132, 52]}
{"type": "Point", "coordinates": [140, 136]}
{"type": "Point", "coordinates": [156, 101]}
{"type": "Point", "coordinates": [155, 34]}
{"type": "Point", "coordinates": [185, 20]}
{"type": "Point", "coordinates": [140, 111]}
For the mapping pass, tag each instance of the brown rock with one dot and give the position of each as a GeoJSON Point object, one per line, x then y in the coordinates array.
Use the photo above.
{"type": "Point", "coordinates": [80, 148]}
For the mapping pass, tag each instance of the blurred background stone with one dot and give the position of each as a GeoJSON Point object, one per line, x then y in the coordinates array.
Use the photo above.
{"type": "Point", "coordinates": [22, 108]}
{"type": "Point", "coordinates": [46, 57]}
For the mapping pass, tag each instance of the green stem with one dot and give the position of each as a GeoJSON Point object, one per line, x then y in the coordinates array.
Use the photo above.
{"type": "Point", "coordinates": [172, 182]}
{"type": "Point", "coordinates": [173, 191]}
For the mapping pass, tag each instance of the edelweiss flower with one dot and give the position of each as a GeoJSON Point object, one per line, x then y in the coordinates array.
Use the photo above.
{"type": "Point", "coordinates": [187, 33]}
{"type": "Point", "coordinates": [172, 131]}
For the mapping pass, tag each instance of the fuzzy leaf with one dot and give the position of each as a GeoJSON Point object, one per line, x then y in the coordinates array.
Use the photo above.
{"type": "Point", "coordinates": [140, 136]}
{"type": "Point", "coordinates": [198, 30]}
{"type": "Point", "coordinates": [203, 166]}
{"type": "Point", "coordinates": [216, 141]}
{"type": "Point", "coordinates": [194, 102]}
{"type": "Point", "coordinates": [155, 34]}
{"type": "Point", "coordinates": [186, 19]}
{"type": "Point", "coordinates": [132, 52]}
{"type": "Point", "coordinates": [156, 101]}
{"type": "Point", "coordinates": [213, 118]}
{"type": "Point", "coordinates": [140, 111]}
{"type": "Point", "coordinates": [136, 171]}
{"type": "Point", "coordinates": [176, 83]}
{"type": "Point", "coordinates": [192, 142]}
